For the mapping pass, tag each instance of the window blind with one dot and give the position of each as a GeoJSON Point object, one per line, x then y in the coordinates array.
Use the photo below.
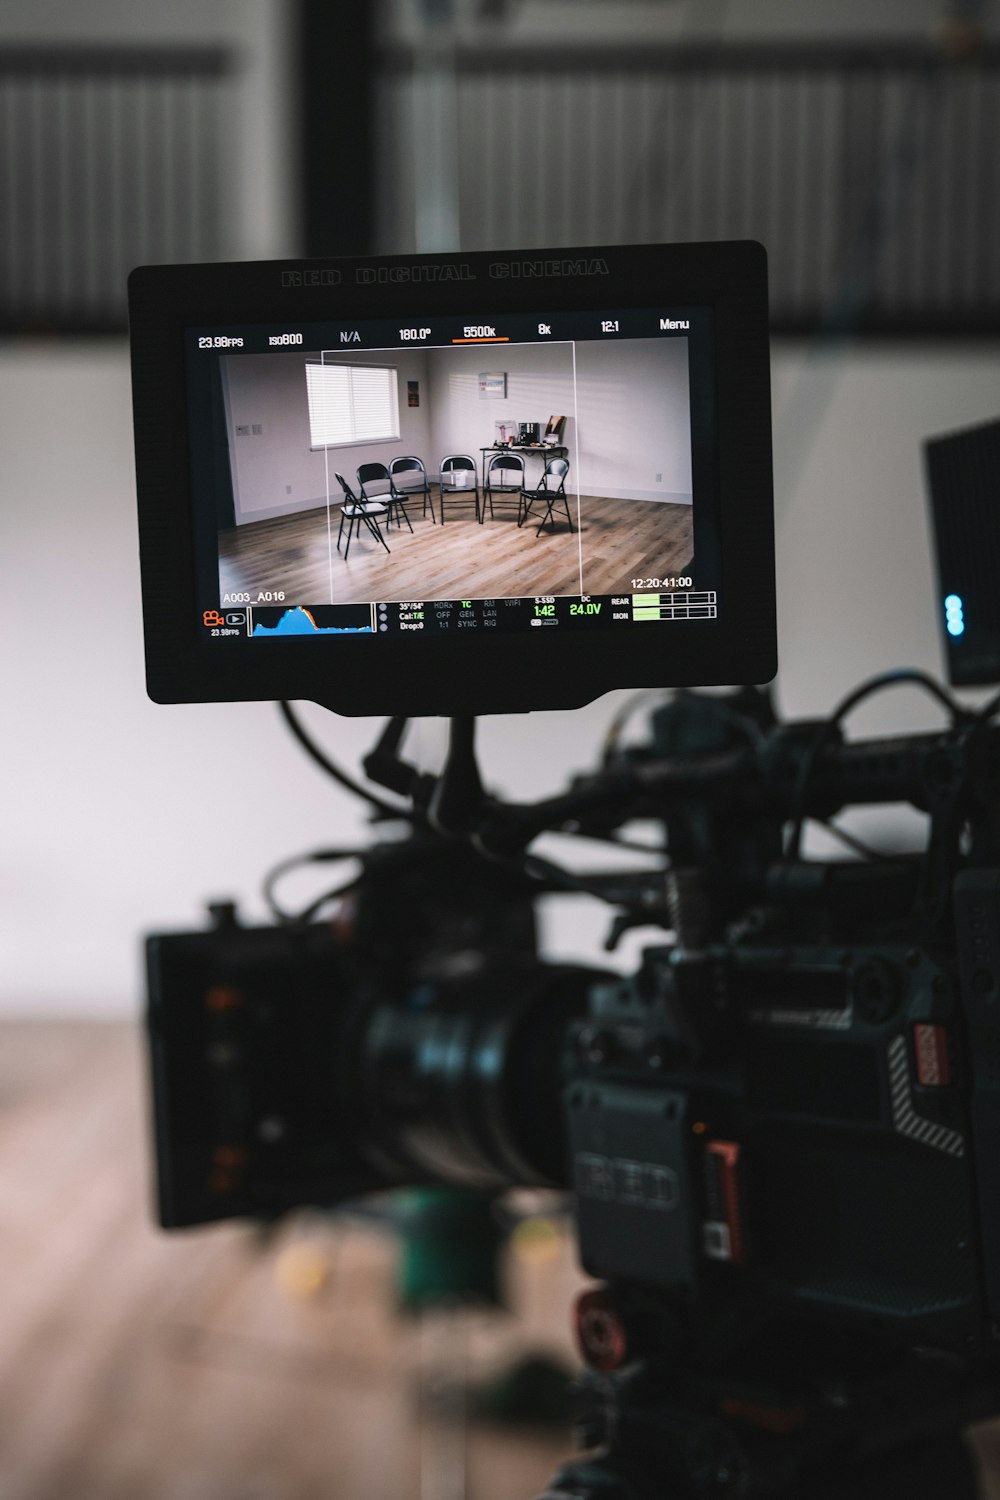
{"type": "Point", "coordinates": [351, 404]}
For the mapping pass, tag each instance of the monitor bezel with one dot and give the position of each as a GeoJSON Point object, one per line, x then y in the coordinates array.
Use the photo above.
{"type": "Point", "coordinates": [474, 673]}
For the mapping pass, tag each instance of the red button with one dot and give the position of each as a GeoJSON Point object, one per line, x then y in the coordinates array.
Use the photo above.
{"type": "Point", "coordinates": [931, 1047]}
{"type": "Point", "coordinates": [600, 1332]}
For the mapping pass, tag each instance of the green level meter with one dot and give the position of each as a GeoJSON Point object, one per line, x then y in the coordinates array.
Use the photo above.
{"type": "Point", "coordinates": [646, 614]}
{"type": "Point", "coordinates": [645, 601]}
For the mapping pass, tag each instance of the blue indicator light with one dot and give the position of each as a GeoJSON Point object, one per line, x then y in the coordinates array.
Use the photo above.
{"type": "Point", "coordinates": [954, 618]}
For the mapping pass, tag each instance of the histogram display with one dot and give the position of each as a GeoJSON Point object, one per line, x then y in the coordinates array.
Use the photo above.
{"type": "Point", "coordinates": [316, 620]}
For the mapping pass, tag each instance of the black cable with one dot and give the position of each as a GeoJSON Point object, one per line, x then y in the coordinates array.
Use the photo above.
{"type": "Point", "coordinates": [721, 707]}
{"type": "Point", "coordinates": [384, 766]}
{"type": "Point", "coordinates": [294, 862]}
{"type": "Point", "coordinates": [616, 728]}
{"type": "Point", "coordinates": [988, 709]}
{"type": "Point", "coordinates": [633, 846]}
{"type": "Point", "coordinates": [544, 870]}
{"type": "Point", "coordinates": [830, 725]}
{"type": "Point", "coordinates": [388, 809]}
{"type": "Point", "coordinates": [851, 842]}
{"type": "Point", "coordinates": [314, 907]}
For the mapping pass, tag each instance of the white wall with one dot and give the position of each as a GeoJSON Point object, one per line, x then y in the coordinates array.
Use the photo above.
{"type": "Point", "coordinates": [118, 815]}
{"type": "Point", "coordinates": [539, 382]}
{"type": "Point", "coordinates": [628, 416]}
{"type": "Point", "coordinates": [635, 420]}
{"type": "Point", "coordinates": [856, 592]}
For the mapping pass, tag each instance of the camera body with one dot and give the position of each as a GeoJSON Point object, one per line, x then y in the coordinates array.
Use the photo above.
{"type": "Point", "coordinates": [794, 1111]}
{"type": "Point", "coordinates": [779, 1132]}
{"type": "Point", "coordinates": [786, 1121]}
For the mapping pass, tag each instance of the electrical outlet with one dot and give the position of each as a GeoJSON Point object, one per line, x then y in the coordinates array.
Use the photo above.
{"type": "Point", "coordinates": [242, 430]}
{"type": "Point", "coordinates": [288, 489]}
{"type": "Point", "coordinates": [659, 478]}
{"type": "Point", "coordinates": [258, 428]}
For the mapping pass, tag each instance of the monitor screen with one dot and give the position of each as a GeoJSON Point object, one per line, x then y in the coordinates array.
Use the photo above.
{"type": "Point", "coordinates": [513, 464]}
{"type": "Point", "coordinates": [395, 479]}
{"type": "Point", "coordinates": [963, 470]}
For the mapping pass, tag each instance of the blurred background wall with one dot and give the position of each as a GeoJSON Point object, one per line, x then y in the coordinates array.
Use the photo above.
{"type": "Point", "coordinates": [859, 142]}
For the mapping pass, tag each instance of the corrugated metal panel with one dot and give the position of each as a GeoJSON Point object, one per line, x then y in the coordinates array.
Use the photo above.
{"type": "Point", "coordinates": [108, 159]}
{"type": "Point", "coordinates": [871, 174]}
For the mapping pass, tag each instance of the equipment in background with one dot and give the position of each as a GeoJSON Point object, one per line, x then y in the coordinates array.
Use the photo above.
{"type": "Point", "coordinates": [963, 470]}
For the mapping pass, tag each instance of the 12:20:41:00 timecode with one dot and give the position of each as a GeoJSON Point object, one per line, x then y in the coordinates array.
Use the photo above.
{"type": "Point", "coordinates": [680, 581]}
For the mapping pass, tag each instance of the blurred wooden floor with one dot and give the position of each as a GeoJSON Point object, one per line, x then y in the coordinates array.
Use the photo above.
{"type": "Point", "coordinates": [140, 1366]}
{"type": "Point", "coordinates": [137, 1366]}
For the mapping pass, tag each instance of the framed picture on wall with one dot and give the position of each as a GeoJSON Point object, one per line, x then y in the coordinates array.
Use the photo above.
{"type": "Point", "coordinates": [493, 387]}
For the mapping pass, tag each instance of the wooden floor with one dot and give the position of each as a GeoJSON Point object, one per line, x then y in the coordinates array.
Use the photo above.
{"type": "Point", "coordinates": [140, 1366]}
{"type": "Point", "coordinates": [619, 540]}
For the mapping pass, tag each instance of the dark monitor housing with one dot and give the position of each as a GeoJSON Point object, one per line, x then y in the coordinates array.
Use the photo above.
{"type": "Point", "coordinates": [630, 544]}
{"type": "Point", "coordinates": [963, 470]}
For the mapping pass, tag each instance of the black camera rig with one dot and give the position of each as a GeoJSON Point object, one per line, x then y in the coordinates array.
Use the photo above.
{"type": "Point", "coordinates": [780, 1131]}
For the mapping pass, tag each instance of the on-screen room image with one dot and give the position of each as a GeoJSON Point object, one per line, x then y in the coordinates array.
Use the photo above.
{"type": "Point", "coordinates": [610, 421]}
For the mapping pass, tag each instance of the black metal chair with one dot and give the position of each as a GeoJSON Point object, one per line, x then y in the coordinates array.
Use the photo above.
{"type": "Point", "coordinates": [372, 474]}
{"type": "Point", "coordinates": [459, 478]}
{"type": "Point", "coordinates": [359, 513]}
{"type": "Point", "coordinates": [408, 479]}
{"type": "Point", "coordinates": [495, 483]}
{"type": "Point", "coordinates": [551, 489]}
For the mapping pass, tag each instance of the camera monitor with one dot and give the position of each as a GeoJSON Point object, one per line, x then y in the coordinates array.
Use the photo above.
{"type": "Point", "coordinates": [963, 469]}
{"type": "Point", "coordinates": [455, 484]}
